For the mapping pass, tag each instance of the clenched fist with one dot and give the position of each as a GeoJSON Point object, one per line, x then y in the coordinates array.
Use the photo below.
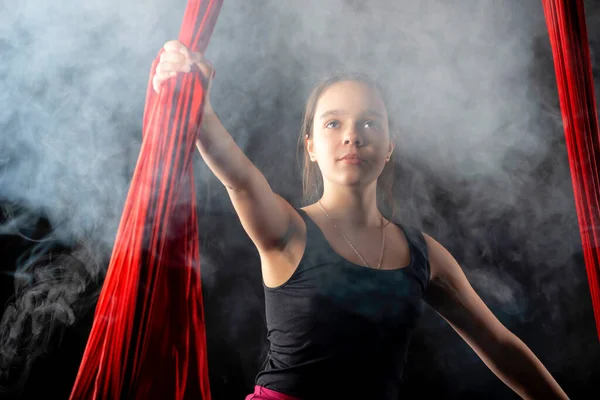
{"type": "Point", "coordinates": [178, 58]}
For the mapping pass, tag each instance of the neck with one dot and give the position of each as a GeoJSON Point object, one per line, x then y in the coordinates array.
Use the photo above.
{"type": "Point", "coordinates": [352, 206]}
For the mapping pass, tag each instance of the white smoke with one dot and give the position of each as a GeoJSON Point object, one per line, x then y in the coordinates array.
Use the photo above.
{"type": "Point", "coordinates": [471, 93]}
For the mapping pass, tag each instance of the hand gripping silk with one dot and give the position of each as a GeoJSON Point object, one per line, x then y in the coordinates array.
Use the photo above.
{"type": "Point", "coordinates": [148, 338]}
{"type": "Point", "coordinates": [570, 48]}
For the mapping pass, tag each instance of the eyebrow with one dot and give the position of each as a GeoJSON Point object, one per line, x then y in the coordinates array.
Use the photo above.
{"type": "Point", "coordinates": [339, 112]}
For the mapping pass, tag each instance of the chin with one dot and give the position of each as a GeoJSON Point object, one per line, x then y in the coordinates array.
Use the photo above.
{"type": "Point", "coordinates": [354, 178]}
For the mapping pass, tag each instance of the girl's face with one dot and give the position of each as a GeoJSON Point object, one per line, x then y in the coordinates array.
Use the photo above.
{"type": "Point", "coordinates": [350, 140]}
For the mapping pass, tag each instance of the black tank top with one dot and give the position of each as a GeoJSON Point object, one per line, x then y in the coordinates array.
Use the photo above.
{"type": "Point", "coordinates": [338, 330]}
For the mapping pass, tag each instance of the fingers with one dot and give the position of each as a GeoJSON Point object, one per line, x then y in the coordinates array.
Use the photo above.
{"type": "Point", "coordinates": [174, 50]}
{"type": "Point", "coordinates": [166, 67]}
{"type": "Point", "coordinates": [172, 57]}
{"type": "Point", "coordinates": [186, 52]}
{"type": "Point", "coordinates": [172, 60]}
{"type": "Point", "coordinates": [178, 58]}
{"type": "Point", "coordinates": [158, 79]}
{"type": "Point", "coordinates": [174, 46]}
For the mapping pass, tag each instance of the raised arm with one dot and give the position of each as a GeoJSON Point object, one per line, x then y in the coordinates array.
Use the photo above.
{"type": "Point", "coordinates": [451, 295]}
{"type": "Point", "coordinates": [264, 215]}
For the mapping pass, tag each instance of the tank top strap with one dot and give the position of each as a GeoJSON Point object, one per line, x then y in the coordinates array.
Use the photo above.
{"type": "Point", "coordinates": [419, 252]}
{"type": "Point", "coordinates": [317, 250]}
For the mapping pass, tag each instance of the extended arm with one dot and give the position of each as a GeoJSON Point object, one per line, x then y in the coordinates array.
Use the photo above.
{"type": "Point", "coordinates": [265, 216]}
{"type": "Point", "coordinates": [451, 295]}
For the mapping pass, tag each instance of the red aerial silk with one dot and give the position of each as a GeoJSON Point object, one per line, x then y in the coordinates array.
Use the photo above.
{"type": "Point", "coordinates": [568, 35]}
{"type": "Point", "coordinates": [148, 339]}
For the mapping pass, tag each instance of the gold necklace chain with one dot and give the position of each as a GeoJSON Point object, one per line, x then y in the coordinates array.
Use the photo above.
{"type": "Point", "coordinates": [350, 243]}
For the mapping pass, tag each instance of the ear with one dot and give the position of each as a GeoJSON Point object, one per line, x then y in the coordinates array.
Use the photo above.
{"type": "Point", "coordinates": [310, 148]}
{"type": "Point", "coordinates": [391, 148]}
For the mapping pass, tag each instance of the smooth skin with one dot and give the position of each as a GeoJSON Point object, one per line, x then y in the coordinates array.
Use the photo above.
{"type": "Point", "coordinates": [352, 118]}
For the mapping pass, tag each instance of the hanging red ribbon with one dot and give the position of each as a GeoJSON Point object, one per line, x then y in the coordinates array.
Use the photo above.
{"type": "Point", "coordinates": [568, 36]}
{"type": "Point", "coordinates": [148, 338]}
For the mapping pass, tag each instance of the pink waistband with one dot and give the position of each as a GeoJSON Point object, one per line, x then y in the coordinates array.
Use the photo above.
{"type": "Point", "coordinates": [262, 393]}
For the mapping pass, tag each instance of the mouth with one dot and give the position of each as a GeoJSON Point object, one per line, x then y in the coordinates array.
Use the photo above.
{"type": "Point", "coordinates": [351, 159]}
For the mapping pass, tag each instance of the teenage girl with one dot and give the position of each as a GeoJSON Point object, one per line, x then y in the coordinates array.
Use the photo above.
{"type": "Point", "coordinates": [344, 285]}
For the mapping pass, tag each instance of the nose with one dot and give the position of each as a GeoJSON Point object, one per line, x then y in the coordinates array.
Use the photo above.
{"type": "Point", "coordinates": [352, 136]}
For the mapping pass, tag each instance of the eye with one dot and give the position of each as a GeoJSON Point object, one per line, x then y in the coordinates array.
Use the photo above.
{"type": "Point", "coordinates": [372, 124]}
{"type": "Point", "coordinates": [332, 124]}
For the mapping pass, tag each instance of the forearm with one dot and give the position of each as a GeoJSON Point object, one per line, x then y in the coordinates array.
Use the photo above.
{"type": "Point", "coordinates": [522, 371]}
{"type": "Point", "coordinates": [222, 155]}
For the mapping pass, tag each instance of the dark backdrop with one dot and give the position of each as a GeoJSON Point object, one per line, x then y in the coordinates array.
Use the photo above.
{"type": "Point", "coordinates": [481, 166]}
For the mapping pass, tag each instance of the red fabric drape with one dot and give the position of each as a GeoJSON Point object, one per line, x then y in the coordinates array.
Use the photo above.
{"type": "Point", "coordinates": [568, 36]}
{"type": "Point", "coordinates": [148, 338]}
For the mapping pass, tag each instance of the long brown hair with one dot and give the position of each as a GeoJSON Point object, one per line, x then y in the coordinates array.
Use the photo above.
{"type": "Point", "coordinates": [312, 180]}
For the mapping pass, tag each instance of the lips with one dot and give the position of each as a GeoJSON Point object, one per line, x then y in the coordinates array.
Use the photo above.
{"type": "Point", "coordinates": [351, 156]}
{"type": "Point", "coordinates": [351, 159]}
